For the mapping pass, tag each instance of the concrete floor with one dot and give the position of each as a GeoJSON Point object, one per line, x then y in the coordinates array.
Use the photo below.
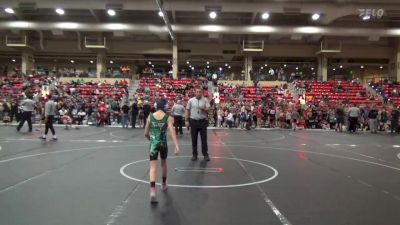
{"type": "Point", "coordinates": [89, 176]}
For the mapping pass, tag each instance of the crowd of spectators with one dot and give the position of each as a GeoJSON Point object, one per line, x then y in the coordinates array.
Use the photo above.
{"type": "Point", "coordinates": [77, 101]}
{"type": "Point", "coordinates": [326, 105]}
{"type": "Point", "coordinates": [389, 90]}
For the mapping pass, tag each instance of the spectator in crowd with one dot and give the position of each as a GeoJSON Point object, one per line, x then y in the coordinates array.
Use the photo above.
{"type": "Point", "coordinates": [354, 115]}
{"type": "Point", "coordinates": [229, 119]}
{"type": "Point", "coordinates": [146, 111]}
{"type": "Point", "coordinates": [383, 118]}
{"type": "Point", "coordinates": [134, 113]}
{"type": "Point", "coordinates": [6, 107]}
{"type": "Point", "coordinates": [178, 111]}
{"type": "Point", "coordinates": [125, 115]}
{"type": "Point", "coordinates": [81, 115]}
{"type": "Point", "coordinates": [50, 109]}
{"type": "Point", "coordinates": [373, 120]}
{"type": "Point", "coordinates": [14, 111]}
{"type": "Point", "coordinates": [295, 119]}
{"type": "Point", "coordinates": [394, 120]}
{"type": "Point", "coordinates": [340, 118]}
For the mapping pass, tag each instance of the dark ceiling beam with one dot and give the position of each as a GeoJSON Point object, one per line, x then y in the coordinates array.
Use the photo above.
{"type": "Point", "coordinates": [165, 17]}
{"type": "Point", "coordinates": [173, 16]}
{"type": "Point", "coordinates": [253, 18]}
{"type": "Point", "coordinates": [96, 18]}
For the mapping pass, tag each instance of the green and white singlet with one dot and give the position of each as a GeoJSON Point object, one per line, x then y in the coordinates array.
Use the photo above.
{"type": "Point", "coordinates": [158, 136]}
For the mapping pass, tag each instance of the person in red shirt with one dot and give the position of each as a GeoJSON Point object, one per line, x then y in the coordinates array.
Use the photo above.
{"type": "Point", "coordinates": [101, 115]}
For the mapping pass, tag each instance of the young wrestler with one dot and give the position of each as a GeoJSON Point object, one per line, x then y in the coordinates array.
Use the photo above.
{"type": "Point", "coordinates": [156, 130]}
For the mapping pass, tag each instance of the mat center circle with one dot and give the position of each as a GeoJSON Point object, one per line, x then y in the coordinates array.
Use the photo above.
{"type": "Point", "coordinates": [253, 182]}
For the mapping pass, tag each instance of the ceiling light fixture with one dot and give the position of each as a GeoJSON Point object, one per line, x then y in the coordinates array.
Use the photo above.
{"type": "Point", "coordinates": [60, 11]}
{"type": "Point", "coordinates": [111, 12]}
{"type": "Point", "coordinates": [212, 15]}
{"type": "Point", "coordinates": [9, 10]}
{"type": "Point", "coordinates": [315, 16]}
{"type": "Point", "coordinates": [265, 16]}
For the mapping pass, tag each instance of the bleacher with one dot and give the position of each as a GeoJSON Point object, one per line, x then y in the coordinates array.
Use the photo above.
{"type": "Point", "coordinates": [16, 86]}
{"type": "Point", "coordinates": [251, 94]}
{"type": "Point", "coordinates": [88, 89]}
{"type": "Point", "coordinates": [13, 87]}
{"type": "Point", "coordinates": [349, 92]}
{"type": "Point", "coordinates": [387, 89]}
{"type": "Point", "coordinates": [161, 88]}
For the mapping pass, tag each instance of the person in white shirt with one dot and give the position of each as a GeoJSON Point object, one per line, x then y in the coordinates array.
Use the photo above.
{"type": "Point", "coordinates": [197, 117]}
{"type": "Point", "coordinates": [178, 111]}
{"type": "Point", "coordinates": [271, 72]}
{"type": "Point", "coordinates": [27, 106]}
{"type": "Point", "coordinates": [62, 112]}
{"type": "Point", "coordinates": [49, 113]}
{"type": "Point", "coordinates": [229, 119]}
{"type": "Point", "coordinates": [81, 115]}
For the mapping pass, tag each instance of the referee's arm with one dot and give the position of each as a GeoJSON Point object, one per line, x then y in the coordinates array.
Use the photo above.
{"type": "Point", "coordinates": [187, 113]}
{"type": "Point", "coordinates": [172, 110]}
{"type": "Point", "coordinates": [206, 108]}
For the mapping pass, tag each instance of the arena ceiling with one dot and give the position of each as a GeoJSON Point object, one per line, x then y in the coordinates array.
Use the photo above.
{"type": "Point", "coordinates": [192, 13]}
{"type": "Point", "coordinates": [289, 21]}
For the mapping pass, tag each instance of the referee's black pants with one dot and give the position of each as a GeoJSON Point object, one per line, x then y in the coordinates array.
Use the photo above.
{"type": "Point", "coordinates": [199, 126]}
{"type": "Point", "coordinates": [26, 116]}
{"type": "Point", "coordinates": [353, 121]}
{"type": "Point", "coordinates": [49, 125]}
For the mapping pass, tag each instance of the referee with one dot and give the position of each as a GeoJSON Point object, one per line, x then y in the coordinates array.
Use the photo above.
{"type": "Point", "coordinates": [196, 116]}
{"type": "Point", "coordinates": [27, 106]}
